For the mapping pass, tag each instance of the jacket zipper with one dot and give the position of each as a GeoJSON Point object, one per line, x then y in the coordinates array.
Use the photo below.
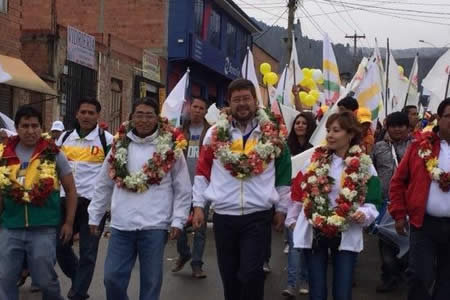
{"type": "Point", "coordinates": [242, 197]}
{"type": "Point", "coordinates": [26, 216]}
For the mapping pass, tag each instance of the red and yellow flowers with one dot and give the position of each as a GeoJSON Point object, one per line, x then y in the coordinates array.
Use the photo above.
{"type": "Point", "coordinates": [317, 184]}
{"type": "Point", "coordinates": [170, 144]}
{"type": "Point", "coordinates": [46, 174]}
{"type": "Point", "coordinates": [269, 146]}
{"type": "Point", "coordinates": [431, 161]}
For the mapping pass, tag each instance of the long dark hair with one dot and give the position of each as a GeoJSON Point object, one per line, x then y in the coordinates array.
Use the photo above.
{"type": "Point", "coordinates": [292, 141]}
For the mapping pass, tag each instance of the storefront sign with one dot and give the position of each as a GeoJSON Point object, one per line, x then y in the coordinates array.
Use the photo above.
{"type": "Point", "coordinates": [81, 48]}
{"type": "Point", "coordinates": [150, 66]}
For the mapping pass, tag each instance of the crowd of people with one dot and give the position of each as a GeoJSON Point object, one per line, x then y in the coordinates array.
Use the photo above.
{"type": "Point", "coordinates": [157, 182]}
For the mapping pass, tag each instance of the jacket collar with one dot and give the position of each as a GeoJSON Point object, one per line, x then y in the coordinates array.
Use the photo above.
{"type": "Point", "coordinates": [90, 137]}
{"type": "Point", "coordinates": [147, 140]}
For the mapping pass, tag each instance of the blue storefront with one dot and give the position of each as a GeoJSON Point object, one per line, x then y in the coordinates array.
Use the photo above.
{"type": "Point", "coordinates": [210, 38]}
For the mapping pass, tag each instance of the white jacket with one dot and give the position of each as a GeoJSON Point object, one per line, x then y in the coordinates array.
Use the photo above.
{"type": "Point", "coordinates": [160, 207]}
{"type": "Point", "coordinates": [85, 156]}
{"type": "Point", "coordinates": [232, 196]}
{"type": "Point", "coordinates": [352, 239]}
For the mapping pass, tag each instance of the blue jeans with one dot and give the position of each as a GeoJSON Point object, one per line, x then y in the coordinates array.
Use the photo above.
{"type": "Point", "coordinates": [343, 264]}
{"type": "Point", "coordinates": [198, 243]}
{"type": "Point", "coordinates": [36, 245]}
{"type": "Point", "coordinates": [123, 249]}
{"type": "Point", "coordinates": [296, 269]}
{"type": "Point", "coordinates": [80, 270]}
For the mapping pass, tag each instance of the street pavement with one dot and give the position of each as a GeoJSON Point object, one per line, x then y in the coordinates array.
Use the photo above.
{"type": "Point", "coordinates": [184, 287]}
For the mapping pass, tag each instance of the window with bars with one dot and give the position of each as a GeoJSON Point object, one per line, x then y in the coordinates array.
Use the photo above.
{"type": "Point", "coordinates": [115, 107]}
{"type": "Point", "coordinates": [214, 32]}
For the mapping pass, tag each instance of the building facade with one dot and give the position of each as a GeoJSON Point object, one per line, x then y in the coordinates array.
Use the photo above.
{"type": "Point", "coordinates": [210, 37]}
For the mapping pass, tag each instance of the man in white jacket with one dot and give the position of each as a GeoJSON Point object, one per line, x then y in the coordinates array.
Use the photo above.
{"type": "Point", "coordinates": [244, 169]}
{"type": "Point", "coordinates": [146, 177]}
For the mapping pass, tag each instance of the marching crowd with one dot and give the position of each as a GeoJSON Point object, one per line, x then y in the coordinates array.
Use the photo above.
{"type": "Point", "coordinates": [154, 181]}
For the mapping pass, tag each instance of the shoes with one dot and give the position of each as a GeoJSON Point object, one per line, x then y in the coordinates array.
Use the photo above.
{"type": "Point", "coordinates": [286, 249]}
{"type": "Point", "coordinates": [288, 292]}
{"type": "Point", "coordinates": [35, 289]}
{"type": "Point", "coordinates": [22, 279]}
{"type": "Point", "coordinates": [72, 295]}
{"type": "Point", "coordinates": [179, 263]}
{"type": "Point", "coordinates": [387, 286]}
{"type": "Point", "coordinates": [198, 273]}
{"type": "Point", "coordinates": [267, 268]}
{"type": "Point", "coordinates": [304, 288]}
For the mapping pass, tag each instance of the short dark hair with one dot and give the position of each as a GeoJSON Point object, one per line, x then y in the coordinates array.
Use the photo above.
{"type": "Point", "coordinates": [149, 101]}
{"type": "Point", "coordinates": [200, 99]}
{"type": "Point", "coordinates": [349, 123]}
{"type": "Point", "coordinates": [349, 103]}
{"type": "Point", "coordinates": [91, 101]}
{"type": "Point", "coordinates": [241, 84]}
{"type": "Point", "coordinates": [27, 111]}
{"type": "Point", "coordinates": [397, 119]}
{"type": "Point", "coordinates": [442, 106]}
{"type": "Point", "coordinates": [407, 108]}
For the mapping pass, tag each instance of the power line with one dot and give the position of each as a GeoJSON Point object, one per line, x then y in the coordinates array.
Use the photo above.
{"type": "Point", "coordinates": [259, 8]}
{"type": "Point", "coordinates": [271, 26]}
{"type": "Point", "coordinates": [403, 3]}
{"type": "Point", "coordinates": [308, 16]}
{"type": "Point", "coordinates": [330, 19]}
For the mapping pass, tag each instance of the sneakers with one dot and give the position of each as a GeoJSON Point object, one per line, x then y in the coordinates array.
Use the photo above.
{"type": "Point", "coordinates": [179, 263]}
{"type": "Point", "coordinates": [286, 249]}
{"type": "Point", "coordinates": [386, 287]}
{"type": "Point", "coordinates": [304, 288]}
{"type": "Point", "coordinates": [198, 273]}
{"type": "Point", "coordinates": [267, 268]}
{"type": "Point", "coordinates": [288, 292]}
{"type": "Point", "coordinates": [35, 288]}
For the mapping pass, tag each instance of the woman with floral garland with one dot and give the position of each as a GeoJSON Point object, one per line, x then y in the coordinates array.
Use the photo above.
{"type": "Point", "coordinates": [335, 191]}
{"type": "Point", "coordinates": [301, 131]}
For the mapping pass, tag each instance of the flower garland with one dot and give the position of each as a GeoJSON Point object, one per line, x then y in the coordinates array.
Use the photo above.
{"type": "Point", "coordinates": [431, 161]}
{"type": "Point", "coordinates": [41, 190]}
{"type": "Point", "coordinates": [170, 144]}
{"type": "Point", "coordinates": [316, 185]}
{"type": "Point", "coordinates": [269, 146]}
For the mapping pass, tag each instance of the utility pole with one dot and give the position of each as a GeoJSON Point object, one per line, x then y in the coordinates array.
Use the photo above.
{"type": "Point", "coordinates": [292, 6]}
{"type": "Point", "coordinates": [355, 38]}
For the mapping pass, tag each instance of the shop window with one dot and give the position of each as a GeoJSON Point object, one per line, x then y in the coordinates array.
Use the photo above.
{"type": "Point", "coordinates": [231, 40]}
{"type": "Point", "coordinates": [4, 6]}
{"type": "Point", "coordinates": [115, 107]}
{"type": "Point", "coordinates": [243, 43]}
{"type": "Point", "coordinates": [199, 10]}
{"type": "Point", "coordinates": [214, 28]}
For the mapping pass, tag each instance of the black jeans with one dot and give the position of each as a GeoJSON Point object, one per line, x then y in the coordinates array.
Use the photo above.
{"type": "Point", "coordinates": [241, 243]}
{"type": "Point", "coordinates": [79, 270]}
{"type": "Point", "coordinates": [392, 267]}
{"type": "Point", "coordinates": [429, 260]}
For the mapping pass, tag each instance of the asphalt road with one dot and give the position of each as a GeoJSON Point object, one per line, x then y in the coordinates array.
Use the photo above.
{"type": "Point", "coordinates": [183, 286]}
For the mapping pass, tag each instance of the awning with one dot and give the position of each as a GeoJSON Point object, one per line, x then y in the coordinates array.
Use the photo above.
{"type": "Point", "coordinates": [15, 72]}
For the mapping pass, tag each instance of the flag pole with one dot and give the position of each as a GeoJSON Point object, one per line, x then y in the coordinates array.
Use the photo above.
{"type": "Point", "coordinates": [388, 61]}
{"type": "Point", "coordinates": [284, 82]}
{"type": "Point", "coordinates": [448, 85]}
{"type": "Point", "coordinates": [409, 83]}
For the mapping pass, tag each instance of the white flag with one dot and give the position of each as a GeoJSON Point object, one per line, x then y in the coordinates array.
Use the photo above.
{"type": "Point", "coordinates": [213, 114]}
{"type": "Point", "coordinates": [413, 95]}
{"type": "Point", "coordinates": [4, 77]}
{"type": "Point", "coordinates": [437, 79]}
{"type": "Point", "coordinates": [289, 115]}
{"type": "Point", "coordinates": [249, 72]}
{"type": "Point", "coordinates": [283, 93]}
{"type": "Point", "coordinates": [173, 105]}
{"type": "Point", "coordinates": [398, 86]}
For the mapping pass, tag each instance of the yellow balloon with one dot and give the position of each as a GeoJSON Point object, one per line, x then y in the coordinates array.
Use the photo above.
{"type": "Point", "coordinates": [302, 96]}
{"type": "Point", "coordinates": [401, 70]}
{"type": "Point", "coordinates": [270, 78]}
{"type": "Point", "coordinates": [315, 94]}
{"type": "Point", "coordinates": [308, 82]}
{"type": "Point", "coordinates": [310, 73]}
{"type": "Point", "coordinates": [265, 68]}
{"type": "Point", "coordinates": [309, 100]}
{"type": "Point", "coordinates": [324, 108]}
{"type": "Point", "coordinates": [306, 73]}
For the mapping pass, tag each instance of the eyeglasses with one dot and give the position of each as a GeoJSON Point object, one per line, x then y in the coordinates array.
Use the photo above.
{"type": "Point", "coordinates": [144, 116]}
{"type": "Point", "coordinates": [244, 99]}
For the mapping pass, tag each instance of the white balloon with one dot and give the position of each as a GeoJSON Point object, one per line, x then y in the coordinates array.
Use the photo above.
{"type": "Point", "coordinates": [317, 74]}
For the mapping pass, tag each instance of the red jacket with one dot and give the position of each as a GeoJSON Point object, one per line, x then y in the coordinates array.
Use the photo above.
{"type": "Point", "coordinates": [410, 186]}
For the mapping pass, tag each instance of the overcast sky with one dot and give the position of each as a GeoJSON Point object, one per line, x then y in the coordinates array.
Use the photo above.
{"type": "Point", "coordinates": [385, 19]}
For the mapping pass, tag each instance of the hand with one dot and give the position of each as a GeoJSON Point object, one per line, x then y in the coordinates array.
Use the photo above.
{"type": "Point", "coordinates": [174, 233]}
{"type": "Point", "coordinates": [358, 217]}
{"type": "Point", "coordinates": [94, 230]}
{"type": "Point", "coordinates": [199, 218]}
{"type": "Point", "coordinates": [401, 227]}
{"type": "Point", "coordinates": [66, 232]}
{"type": "Point", "coordinates": [296, 89]}
{"type": "Point", "coordinates": [278, 221]}
{"type": "Point", "coordinates": [292, 227]}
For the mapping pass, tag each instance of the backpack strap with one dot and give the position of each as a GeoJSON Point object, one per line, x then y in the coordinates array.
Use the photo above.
{"type": "Point", "coordinates": [65, 136]}
{"type": "Point", "coordinates": [101, 135]}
